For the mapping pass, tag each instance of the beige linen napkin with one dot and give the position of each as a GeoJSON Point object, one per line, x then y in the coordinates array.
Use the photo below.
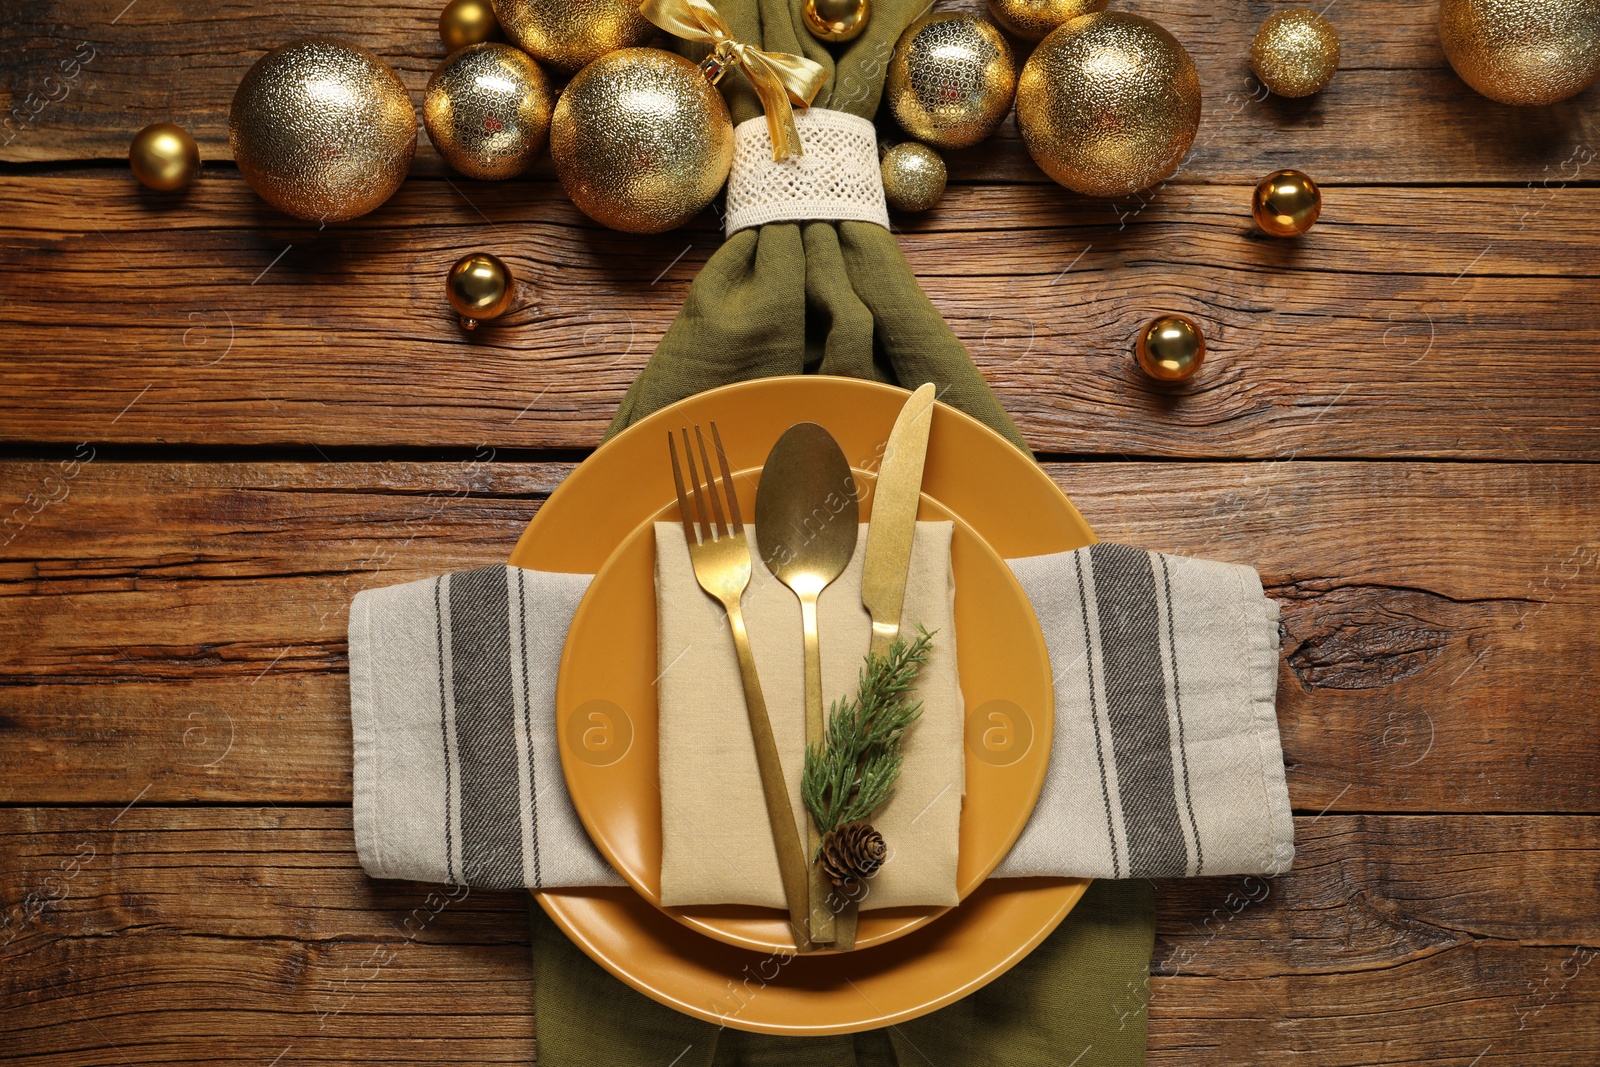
{"type": "Point", "coordinates": [716, 843]}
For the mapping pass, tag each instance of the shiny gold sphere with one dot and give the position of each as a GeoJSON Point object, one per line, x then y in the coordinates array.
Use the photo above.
{"type": "Point", "coordinates": [479, 287]}
{"type": "Point", "coordinates": [570, 34]}
{"type": "Point", "coordinates": [487, 110]}
{"type": "Point", "coordinates": [1286, 203]}
{"type": "Point", "coordinates": [913, 177]}
{"type": "Point", "coordinates": [164, 157]}
{"type": "Point", "coordinates": [464, 22]}
{"type": "Point", "coordinates": [1523, 51]}
{"type": "Point", "coordinates": [1032, 20]}
{"type": "Point", "coordinates": [322, 130]}
{"type": "Point", "coordinates": [1296, 52]}
{"type": "Point", "coordinates": [641, 140]}
{"type": "Point", "coordinates": [1108, 104]}
{"type": "Point", "coordinates": [1170, 348]}
{"type": "Point", "coordinates": [951, 80]}
{"type": "Point", "coordinates": [836, 20]}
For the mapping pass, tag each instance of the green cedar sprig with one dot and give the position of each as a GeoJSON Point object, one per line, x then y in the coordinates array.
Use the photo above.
{"type": "Point", "coordinates": [853, 772]}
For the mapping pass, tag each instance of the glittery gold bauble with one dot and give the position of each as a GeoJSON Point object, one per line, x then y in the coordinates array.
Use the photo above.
{"type": "Point", "coordinates": [913, 177]}
{"type": "Point", "coordinates": [951, 80]}
{"type": "Point", "coordinates": [836, 20]}
{"type": "Point", "coordinates": [1296, 52]}
{"type": "Point", "coordinates": [322, 130]}
{"type": "Point", "coordinates": [479, 287]}
{"type": "Point", "coordinates": [1286, 203]}
{"type": "Point", "coordinates": [569, 34]}
{"type": "Point", "coordinates": [1033, 19]}
{"type": "Point", "coordinates": [641, 140]}
{"type": "Point", "coordinates": [1170, 348]}
{"type": "Point", "coordinates": [1523, 51]}
{"type": "Point", "coordinates": [1108, 104]}
{"type": "Point", "coordinates": [464, 22]}
{"type": "Point", "coordinates": [164, 157]}
{"type": "Point", "coordinates": [487, 110]}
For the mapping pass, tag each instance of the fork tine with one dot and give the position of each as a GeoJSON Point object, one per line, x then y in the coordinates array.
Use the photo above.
{"type": "Point", "coordinates": [707, 531]}
{"type": "Point", "coordinates": [727, 481]}
{"type": "Point", "coordinates": [711, 482]}
{"type": "Point", "coordinates": [683, 498]}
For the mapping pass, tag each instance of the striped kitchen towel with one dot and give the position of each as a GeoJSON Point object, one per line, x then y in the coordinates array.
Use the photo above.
{"type": "Point", "coordinates": [1165, 759]}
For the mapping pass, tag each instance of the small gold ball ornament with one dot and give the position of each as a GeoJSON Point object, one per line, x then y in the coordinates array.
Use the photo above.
{"type": "Point", "coordinates": [641, 140]}
{"type": "Point", "coordinates": [1171, 348]}
{"type": "Point", "coordinates": [479, 287]}
{"type": "Point", "coordinates": [164, 157]}
{"type": "Point", "coordinates": [464, 22]}
{"type": "Point", "coordinates": [836, 20]}
{"type": "Point", "coordinates": [1032, 20]}
{"type": "Point", "coordinates": [913, 177]}
{"type": "Point", "coordinates": [1108, 104]}
{"type": "Point", "coordinates": [951, 80]}
{"type": "Point", "coordinates": [322, 130]}
{"type": "Point", "coordinates": [570, 34]}
{"type": "Point", "coordinates": [1523, 51]}
{"type": "Point", "coordinates": [1296, 52]}
{"type": "Point", "coordinates": [1286, 203]}
{"type": "Point", "coordinates": [487, 110]}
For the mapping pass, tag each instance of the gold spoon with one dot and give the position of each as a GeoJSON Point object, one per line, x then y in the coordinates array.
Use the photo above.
{"type": "Point", "coordinates": [806, 522]}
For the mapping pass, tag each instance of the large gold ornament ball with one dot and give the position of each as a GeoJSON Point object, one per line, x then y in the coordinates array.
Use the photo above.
{"type": "Point", "coordinates": [464, 22]}
{"type": "Point", "coordinates": [836, 20]}
{"type": "Point", "coordinates": [164, 157]}
{"type": "Point", "coordinates": [1170, 348]}
{"type": "Point", "coordinates": [1108, 104]}
{"type": "Point", "coordinates": [641, 140]}
{"type": "Point", "coordinates": [951, 80]}
{"type": "Point", "coordinates": [487, 110]}
{"type": "Point", "coordinates": [479, 287]}
{"type": "Point", "coordinates": [322, 130]}
{"type": "Point", "coordinates": [1296, 52]}
{"type": "Point", "coordinates": [913, 177]}
{"type": "Point", "coordinates": [1523, 51]}
{"type": "Point", "coordinates": [1032, 20]}
{"type": "Point", "coordinates": [1286, 203]}
{"type": "Point", "coordinates": [569, 34]}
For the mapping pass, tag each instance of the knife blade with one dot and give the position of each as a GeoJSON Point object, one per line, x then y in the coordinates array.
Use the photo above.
{"type": "Point", "coordinates": [894, 518]}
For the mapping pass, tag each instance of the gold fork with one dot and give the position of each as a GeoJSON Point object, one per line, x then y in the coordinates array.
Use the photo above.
{"type": "Point", "coordinates": [721, 557]}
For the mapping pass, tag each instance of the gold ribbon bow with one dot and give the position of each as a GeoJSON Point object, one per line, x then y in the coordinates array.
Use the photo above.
{"type": "Point", "coordinates": [779, 79]}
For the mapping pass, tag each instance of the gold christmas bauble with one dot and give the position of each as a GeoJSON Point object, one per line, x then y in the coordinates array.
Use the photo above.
{"type": "Point", "coordinates": [322, 130]}
{"type": "Point", "coordinates": [1296, 52]}
{"type": "Point", "coordinates": [1033, 19]}
{"type": "Point", "coordinates": [1286, 203]}
{"type": "Point", "coordinates": [164, 157]}
{"type": "Point", "coordinates": [1523, 51]}
{"type": "Point", "coordinates": [569, 34]}
{"type": "Point", "coordinates": [913, 177]}
{"type": "Point", "coordinates": [1108, 104]}
{"type": "Point", "coordinates": [487, 110]}
{"type": "Point", "coordinates": [464, 22]}
{"type": "Point", "coordinates": [835, 20]}
{"type": "Point", "coordinates": [1170, 348]}
{"type": "Point", "coordinates": [641, 140]}
{"type": "Point", "coordinates": [951, 80]}
{"type": "Point", "coordinates": [479, 287]}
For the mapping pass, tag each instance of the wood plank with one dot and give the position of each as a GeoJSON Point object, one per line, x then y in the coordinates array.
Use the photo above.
{"type": "Point", "coordinates": [1411, 323]}
{"type": "Point", "coordinates": [1396, 112]}
{"type": "Point", "coordinates": [179, 627]}
{"type": "Point", "coordinates": [230, 934]}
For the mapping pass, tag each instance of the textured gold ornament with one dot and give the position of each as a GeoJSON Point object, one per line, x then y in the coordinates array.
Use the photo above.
{"type": "Point", "coordinates": [1286, 203]}
{"type": "Point", "coordinates": [479, 287]}
{"type": "Point", "coordinates": [1523, 51]}
{"type": "Point", "coordinates": [1296, 52]}
{"type": "Point", "coordinates": [164, 157]}
{"type": "Point", "coordinates": [464, 22]}
{"type": "Point", "coordinates": [1170, 348]}
{"type": "Point", "coordinates": [641, 140]}
{"type": "Point", "coordinates": [487, 110]}
{"type": "Point", "coordinates": [1033, 19]}
{"type": "Point", "coordinates": [951, 80]}
{"type": "Point", "coordinates": [836, 20]}
{"type": "Point", "coordinates": [322, 130]}
{"type": "Point", "coordinates": [913, 177]}
{"type": "Point", "coordinates": [569, 34]}
{"type": "Point", "coordinates": [1108, 104]}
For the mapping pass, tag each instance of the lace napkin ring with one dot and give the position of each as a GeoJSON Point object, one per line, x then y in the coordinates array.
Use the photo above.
{"type": "Point", "coordinates": [837, 178]}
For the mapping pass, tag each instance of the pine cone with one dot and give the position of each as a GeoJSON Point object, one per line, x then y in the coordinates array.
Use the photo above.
{"type": "Point", "coordinates": [852, 852]}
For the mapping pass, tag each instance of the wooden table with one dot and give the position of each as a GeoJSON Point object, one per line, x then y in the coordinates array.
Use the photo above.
{"type": "Point", "coordinates": [220, 423]}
